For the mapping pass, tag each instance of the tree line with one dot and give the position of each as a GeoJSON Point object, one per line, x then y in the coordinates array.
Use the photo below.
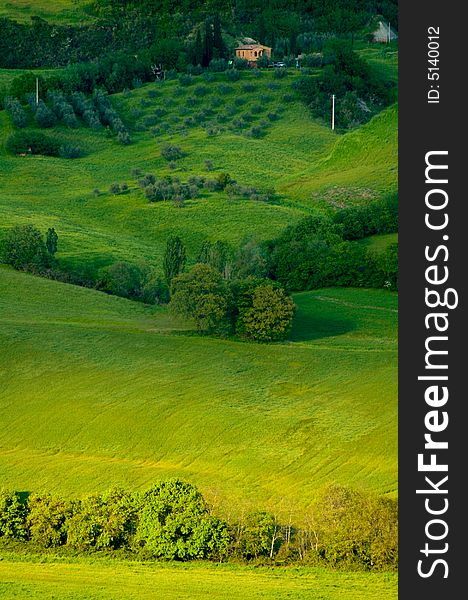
{"type": "Point", "coordinates": [244, 291]}
{"type": "Point", "coordinates": [171, 520]}
{"type": "Point", "coordinates": [191, 31]}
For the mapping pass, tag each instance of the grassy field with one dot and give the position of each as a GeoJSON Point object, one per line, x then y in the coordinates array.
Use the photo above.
{"type": "Point", "coordinates": [100, 579]}
{"type": "Point", "coordinates": [99, 390]}
{"type": "Point", "coordinates": [55, 11]}
{"type": "Point", "coordinates": [307, 164]}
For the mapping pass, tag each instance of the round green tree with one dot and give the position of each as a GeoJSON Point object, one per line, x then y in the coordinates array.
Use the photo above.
{"type": "Point", "coordinates": [270, 316]}
{"type": "Point", "coordinates": [175, 523]}
{"type": "Point", "coordinates": [24, 248]}
{"type": "Point", "coordinates": [202, 295]}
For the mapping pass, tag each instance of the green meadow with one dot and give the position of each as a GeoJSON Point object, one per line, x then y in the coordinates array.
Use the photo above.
{"type": "Point", "coordinates": [99, 390]}
{"type": "Point", "coordinates": [308, 165]}
{"type": "Point", "coordinates": [101, 579]}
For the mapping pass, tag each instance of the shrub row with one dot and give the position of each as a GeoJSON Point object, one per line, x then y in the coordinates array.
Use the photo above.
{"type": "Point", "coordinates": [172, 521]}
{"type": "Point", "coordinates": [35, 142]}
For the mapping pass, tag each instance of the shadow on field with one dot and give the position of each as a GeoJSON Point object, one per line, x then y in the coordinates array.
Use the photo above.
{"type": "Point", "coordinates": [310, 327]}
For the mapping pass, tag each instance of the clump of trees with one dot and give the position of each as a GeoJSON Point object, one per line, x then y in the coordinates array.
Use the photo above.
{"type": "Point", "coordinates": [24, 248]}
{"type": "Point", "coordinates": [16, 112]}
{"type": "Point", "coordinates": [253, 309]}
{"type": "Point", "coordinates": [33, 142]}
{"type": "Point", "coordinates": [321, 251]}
{"type": "Point", "coordinates": [359, 93]}
{"type": "Point", "coordinates": [171, 521]}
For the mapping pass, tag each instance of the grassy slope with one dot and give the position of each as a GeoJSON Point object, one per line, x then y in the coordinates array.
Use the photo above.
{"type": "Point", "coordinates": [100, 390]}
{"type": "Point", "coordinates": [100, 579]}
{"type": "Point", "coordinates": [56, 11]}
{"type": "Point", "coordinates": [100, 229]}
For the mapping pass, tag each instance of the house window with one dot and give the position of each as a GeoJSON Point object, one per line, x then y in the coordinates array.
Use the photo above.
{"type": "Point", "coordinates": [255, 53]}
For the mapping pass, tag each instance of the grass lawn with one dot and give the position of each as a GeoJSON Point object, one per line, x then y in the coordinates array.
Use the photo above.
{"type": "Point", "coordinates": [105, 579]}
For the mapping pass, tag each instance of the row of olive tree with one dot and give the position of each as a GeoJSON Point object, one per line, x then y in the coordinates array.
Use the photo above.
{"type": "Point", "coordinates": [172, 521]}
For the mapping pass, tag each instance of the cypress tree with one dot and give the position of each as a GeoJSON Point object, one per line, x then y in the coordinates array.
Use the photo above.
{"type": "Point", "coordinates": [174, 258]}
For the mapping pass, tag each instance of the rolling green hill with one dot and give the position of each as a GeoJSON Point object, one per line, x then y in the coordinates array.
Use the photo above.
{"type": "Point", "coordinates": [99, 390]}
{"type": "Point", "coordinates": [307, 164]}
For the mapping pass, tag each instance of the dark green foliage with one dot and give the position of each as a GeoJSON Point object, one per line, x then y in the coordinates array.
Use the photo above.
{"type": "Point", "coordinates": [16, 112]}
{"type": "Point", "coordinates": [51, 241]}
{"type": "Point", "coordinates": [280, 73]}
{"type": "Point", "coordinates": [13, 513]}
{"type": "Point", "coordinates": [376, 217]}
{"type": "Point", "coordinates": [359, 95]}
{"type": "Point", "coordinates": [317, 252]}
{"type": "Point", "coordinates": [70, 151]}
{"type": "Point", "coordinates": [217, 255]}
{"type": "Point", "coordinates": [171, 152]}
{"type": "Point", "coordinates": [232, 75]}
{"type": "Point", "coordinates": [174, 258]}
{"type": "Point", "coordinates": [24, 248]}
{"type": "Point", "coordinates": [32, 142]}
{"type": "Point", "coordinates": [202, 295]}
{"type": "Point", "coordinates": [268, 317]}
{"type": "Point", "coordinates": [175, 524]}
{"type": "Point", "coordinates": [200, 90]}
{"type": "Point", "coordinates": [44, 117]}
{"type": "Point", "coordinates": [63, 110]}
{"type": "Point", "coordinates": [185, 79]}
{"type": "Point", "coordinates": [122, 279]}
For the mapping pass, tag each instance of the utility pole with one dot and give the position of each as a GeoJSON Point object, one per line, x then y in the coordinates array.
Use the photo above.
{"type": "Point", "coordinates": [37, 91]}
{"type": "Point", "coordinates": [389, 33]}
{"type": "Point", "coordinates": [333, 113]}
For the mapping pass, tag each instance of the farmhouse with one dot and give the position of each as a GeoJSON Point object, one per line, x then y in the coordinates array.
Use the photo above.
{"type": "Point", "coordinates": [252, 52]}
{"type": "Point", "coordinates": [384, 33]}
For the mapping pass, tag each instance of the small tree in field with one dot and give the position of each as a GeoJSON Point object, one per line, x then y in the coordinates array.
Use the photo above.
{"type": "Point", "coordinates": [174, 258]}
{"type": "Point", "coordinates": [269, 318]}
{"type": "Point", "coordinates": [24, 248]}
{"type": "Point", "coordinates": [202, 295]}
{"type": "Point", "coordinates": [51, 241]}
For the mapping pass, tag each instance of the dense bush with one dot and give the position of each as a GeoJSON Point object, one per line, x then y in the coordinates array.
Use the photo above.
{"type": "Point", "coordinates": [232, 75]}
{"type": "Point", "coordinates": [24, 248]}
{"type": "Point", "coordinates": [203, 296]}
{"type": "Point", "coordinates": [62, 108]}
{"type": "Point", "coordinates": [16, 112]}
{"type": "Point", "coordinates": [265, 314]}
{"type": "Point", "coordinates": [359, 94]}
{"type": "Point", "coordinates": [171, 152]}
{"type": "Point", "coordinates": [70, 151]}
{"type": "Point", "coordinates": [13, 514]}
{"type": "Point", "coordinates": [174, 523]}
{"type": "Point", "coordinates": [317, 252]}
{"type": "Point", "coordinates": [32, 142]}
{"type": "Point", "coordinates": [44, 117]}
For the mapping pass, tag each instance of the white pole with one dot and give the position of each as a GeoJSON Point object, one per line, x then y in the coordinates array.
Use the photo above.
{"type": "Point", "coordinates": [333, 112]}
{"type": "Point", "coordinates": [37, 91]}
{"type": "Point", "coordinates": [389, 32]}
